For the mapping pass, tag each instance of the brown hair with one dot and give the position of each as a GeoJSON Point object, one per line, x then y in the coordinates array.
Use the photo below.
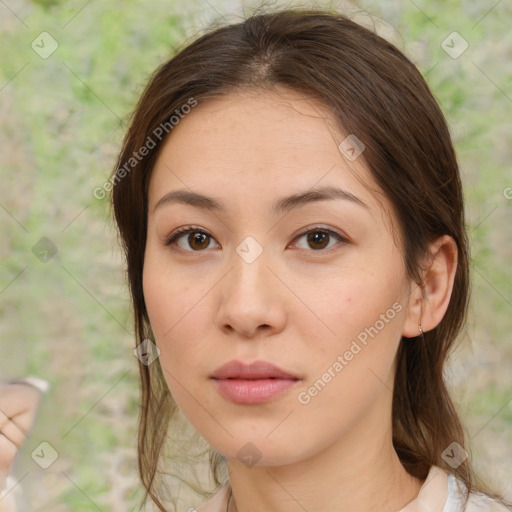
{"type": "Point", "coordinates": [373, 91]}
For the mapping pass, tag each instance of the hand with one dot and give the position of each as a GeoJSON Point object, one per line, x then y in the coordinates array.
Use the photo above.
{"type": "Point", "coordinates": [19, 401]}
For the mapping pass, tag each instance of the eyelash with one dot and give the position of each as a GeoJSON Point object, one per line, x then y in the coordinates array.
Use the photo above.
{"type": "Point", "coordinates": [173, 237]}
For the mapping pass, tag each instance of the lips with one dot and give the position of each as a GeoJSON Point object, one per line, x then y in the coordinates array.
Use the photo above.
{"type": "Point", "coordinates": [253, 371]}
{"type": "Point", "coordinates": [253, 383]}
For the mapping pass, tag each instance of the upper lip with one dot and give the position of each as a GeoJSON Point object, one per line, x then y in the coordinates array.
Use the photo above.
{"type": "Point", "coordinates": [256, 370]}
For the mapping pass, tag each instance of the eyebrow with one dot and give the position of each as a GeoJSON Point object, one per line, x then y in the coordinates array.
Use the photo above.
{"type": "Point", "coordinates": [282, 205]}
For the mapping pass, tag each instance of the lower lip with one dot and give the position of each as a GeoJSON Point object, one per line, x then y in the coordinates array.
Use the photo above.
{"type": "Point", "coordinates": [253, 391]}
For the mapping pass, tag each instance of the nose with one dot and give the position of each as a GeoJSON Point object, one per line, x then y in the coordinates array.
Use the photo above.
{"type": "Point", "coordinates": [252, 301]}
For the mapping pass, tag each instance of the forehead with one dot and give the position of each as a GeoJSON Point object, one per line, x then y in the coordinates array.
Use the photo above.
{"type": "Point", "coordinates": [253, 146]}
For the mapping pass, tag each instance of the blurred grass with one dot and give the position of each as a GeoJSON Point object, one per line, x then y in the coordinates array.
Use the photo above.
{"type": "Point", "coordinates": [68, 320]}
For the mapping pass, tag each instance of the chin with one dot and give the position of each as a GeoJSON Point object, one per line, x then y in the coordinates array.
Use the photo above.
{"type": "Point", "coordinates": [258, 450]}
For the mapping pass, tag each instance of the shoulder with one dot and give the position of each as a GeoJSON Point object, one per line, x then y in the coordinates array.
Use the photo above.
{"type": "Point", "coordinates": [477, 502]}
{"type": "Point", "coordinates": [217, 502]}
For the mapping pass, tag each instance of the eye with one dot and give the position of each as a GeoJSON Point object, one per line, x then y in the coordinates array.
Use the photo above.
{"type": "Point", "coordinates": [318, 238]}
{"type": "Point", "coordinates": [197, 238]}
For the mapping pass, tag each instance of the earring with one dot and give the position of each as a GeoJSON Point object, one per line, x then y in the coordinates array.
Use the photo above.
{"type": "Point", "coordinates": [421, 330]}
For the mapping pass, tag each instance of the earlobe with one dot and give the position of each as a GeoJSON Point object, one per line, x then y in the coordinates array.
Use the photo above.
{"type": "Point", "coordinates": [428, 303]}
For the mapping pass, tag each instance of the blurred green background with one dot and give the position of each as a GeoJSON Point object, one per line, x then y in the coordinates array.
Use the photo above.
{"type": "Point", "coordinates": [70, 74]}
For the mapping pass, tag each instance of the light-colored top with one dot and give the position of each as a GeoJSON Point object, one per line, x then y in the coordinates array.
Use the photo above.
{"type": "Point", "coordinates": [441, 492]}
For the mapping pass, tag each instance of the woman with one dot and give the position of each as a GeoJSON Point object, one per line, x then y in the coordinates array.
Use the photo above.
{"type": "Point", "coordinates": [291, 209]}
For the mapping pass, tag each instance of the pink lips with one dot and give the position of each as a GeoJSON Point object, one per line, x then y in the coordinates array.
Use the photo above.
{"type": "Point", "coordinates": [252, 383]}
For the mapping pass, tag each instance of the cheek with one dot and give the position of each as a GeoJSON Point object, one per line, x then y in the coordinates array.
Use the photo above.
{"type": "Point", "coordinates": [352, 299]}
{"type": "Point", "coordinates": [168, 295]}
{"type": "Point", "coordinates": [360, 317]}
{"type": "Point", "coordinates": [178, 314]}
{"type": "Point", "coordinates": [353, 370]}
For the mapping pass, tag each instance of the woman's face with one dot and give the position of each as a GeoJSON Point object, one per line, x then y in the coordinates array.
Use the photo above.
{"type": "Point", "coordinates": [328, 307]}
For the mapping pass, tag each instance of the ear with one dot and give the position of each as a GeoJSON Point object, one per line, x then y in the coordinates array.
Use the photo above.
{"type": "Point", "coordinates": [428, 303]}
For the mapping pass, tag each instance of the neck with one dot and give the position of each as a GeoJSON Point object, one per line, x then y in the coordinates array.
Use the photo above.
{"type": "Point", "coordinates": [360, 472]}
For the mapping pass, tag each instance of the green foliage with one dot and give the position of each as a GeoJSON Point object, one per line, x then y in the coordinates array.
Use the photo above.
{"type": "Point", "coordinates": [63, 118]}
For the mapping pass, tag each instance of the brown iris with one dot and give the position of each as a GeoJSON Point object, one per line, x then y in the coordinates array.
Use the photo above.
{"type": "Point", "coordinates": [318, 237]}
{"type": "Point", "coordinates": [202, 239]}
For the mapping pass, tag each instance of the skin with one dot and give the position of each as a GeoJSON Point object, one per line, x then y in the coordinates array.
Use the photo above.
{"type": "Point", "coordinates": [18, 408]}
{"type": "Point", "coordinates": [296, 305]}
